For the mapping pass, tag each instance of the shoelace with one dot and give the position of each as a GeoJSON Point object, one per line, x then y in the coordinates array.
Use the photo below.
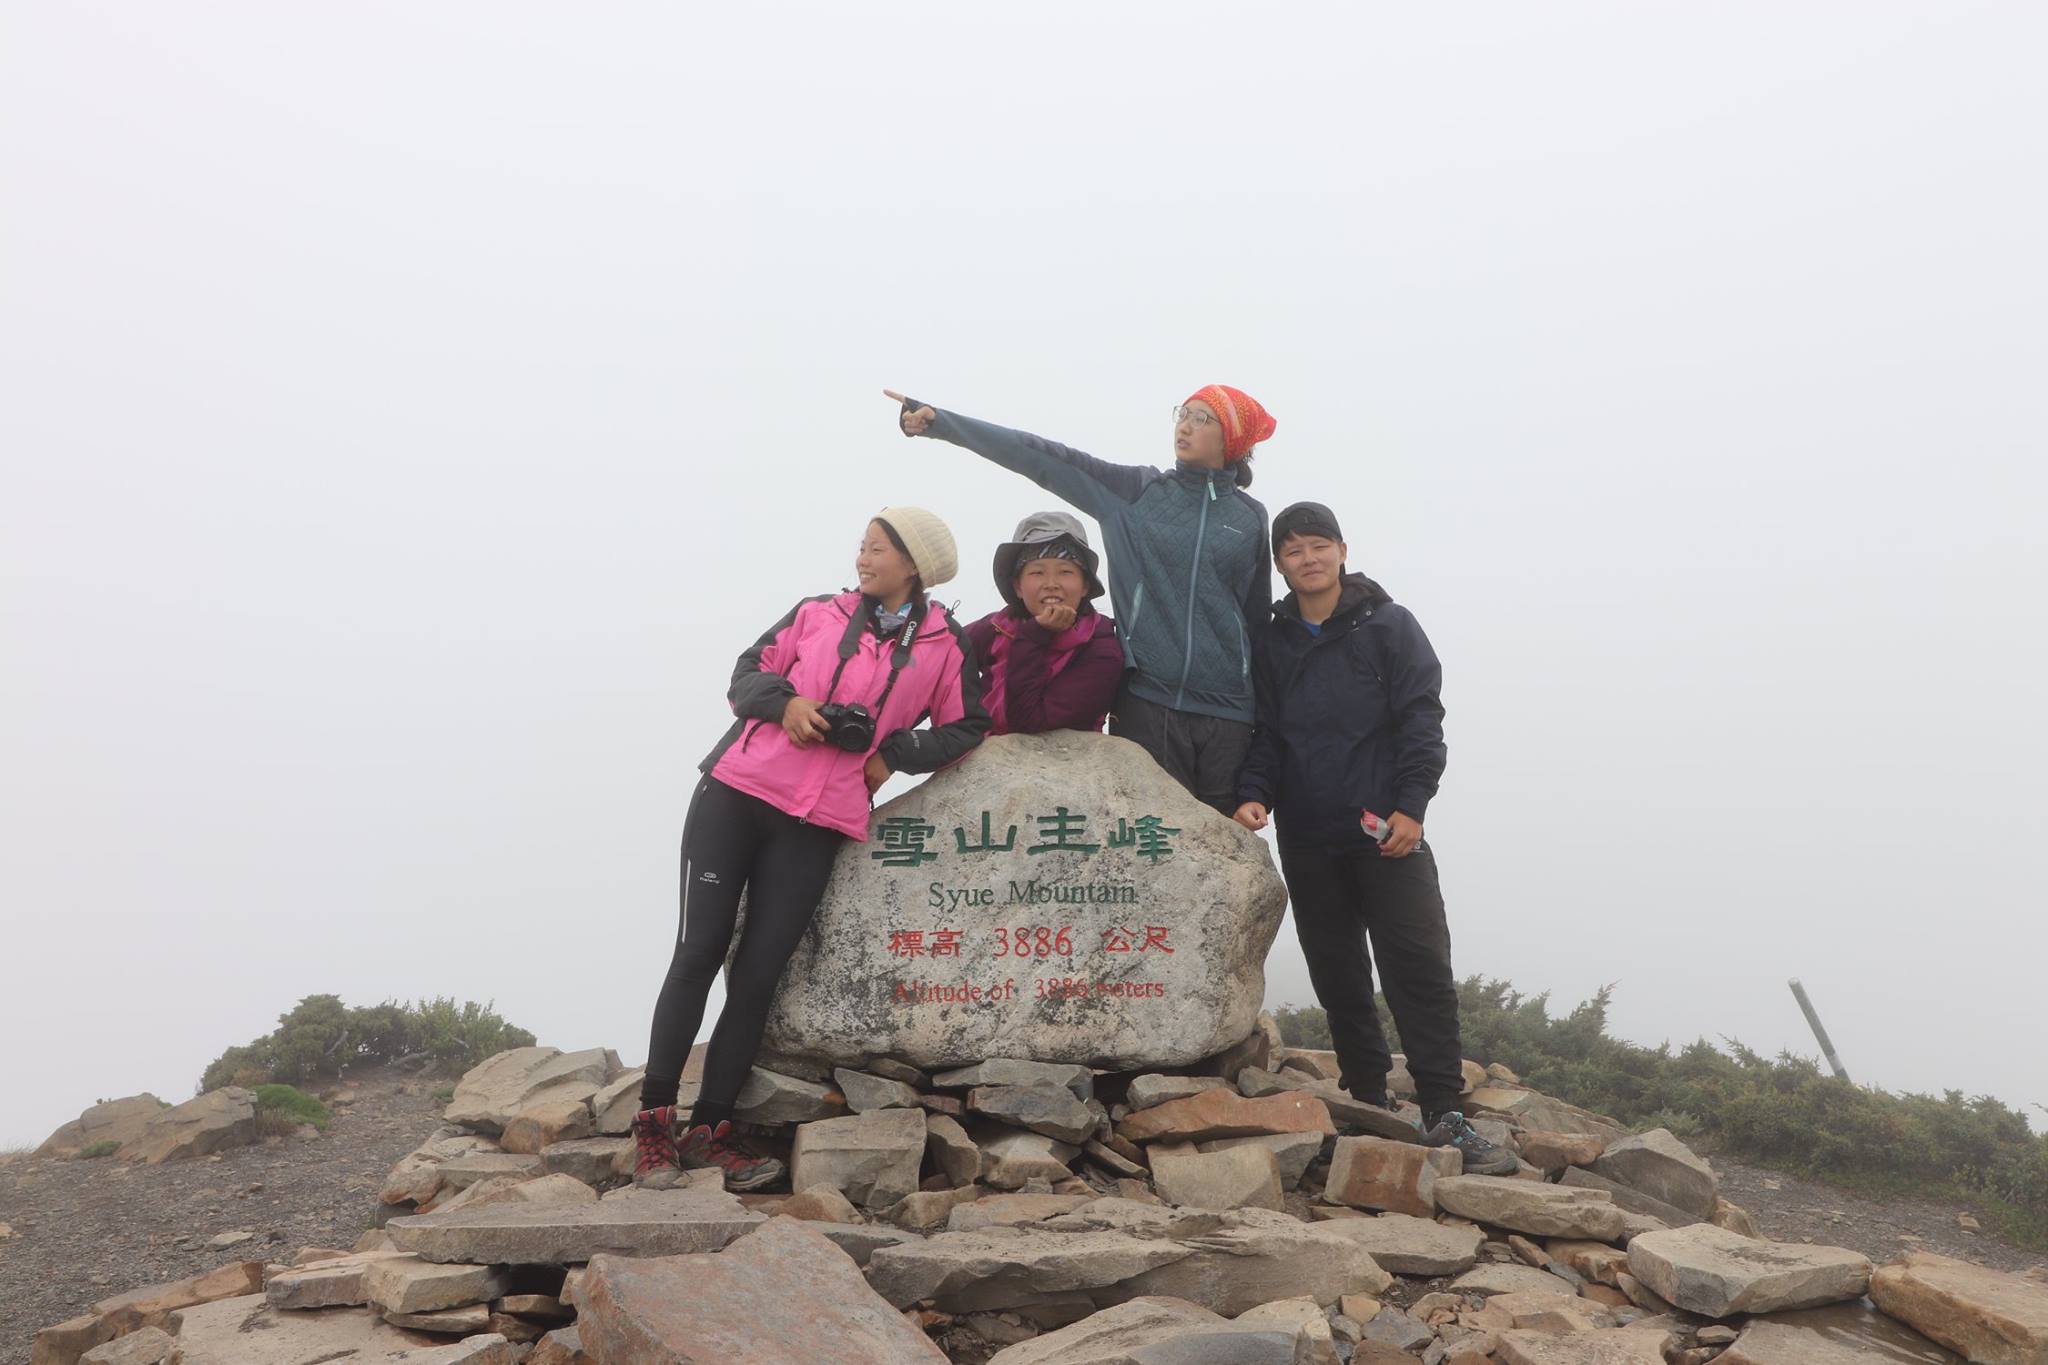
{"type": "Point", "coordinates": [724, 1149]}
{"type": "Point", "coordinates": [1461, 1127]}
{"type": "Point", "coordinates": [655, 1144]}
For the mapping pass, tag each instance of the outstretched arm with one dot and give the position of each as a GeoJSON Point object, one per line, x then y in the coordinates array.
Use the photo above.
{"type": "Point", "coordinates": [1078, 477]}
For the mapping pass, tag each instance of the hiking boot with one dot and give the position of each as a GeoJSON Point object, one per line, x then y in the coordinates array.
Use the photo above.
{"type": "Point", "coordinates": [656, 1164]}
{"type": "Point", "coordinates": [1453, 1129]}
{"type": "Point", "coordinates": [719, 1148]}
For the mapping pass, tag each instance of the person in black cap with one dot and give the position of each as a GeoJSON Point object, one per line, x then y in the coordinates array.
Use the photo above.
{"type": "Point", "coordinates": [1049, 660]}
{"type": "Point", "coordinates": [1347, 753]}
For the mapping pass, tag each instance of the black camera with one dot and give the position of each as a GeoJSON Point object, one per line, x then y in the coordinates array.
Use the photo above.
{"type": "Point", "coordinates": [853, 729]}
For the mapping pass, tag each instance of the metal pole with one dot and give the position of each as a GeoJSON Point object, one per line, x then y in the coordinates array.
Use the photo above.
{"type": "Point", "coordinates": [1821, 1034]}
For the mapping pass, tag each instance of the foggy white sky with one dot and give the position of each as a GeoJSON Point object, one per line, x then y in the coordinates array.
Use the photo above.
{"type": "Point", "coordinates": [407, 412]}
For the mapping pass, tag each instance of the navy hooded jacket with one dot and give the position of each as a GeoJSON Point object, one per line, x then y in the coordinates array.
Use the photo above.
{"type": "Point", "coordinates": [1349, 719]}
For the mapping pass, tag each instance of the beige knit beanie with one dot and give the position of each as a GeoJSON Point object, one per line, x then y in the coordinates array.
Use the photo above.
{"type": "Point", "coordinates": [929, 542]}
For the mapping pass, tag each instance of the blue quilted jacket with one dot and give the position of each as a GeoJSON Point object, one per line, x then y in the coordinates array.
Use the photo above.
{"type": "Point", "coordinates": [1189, 562]}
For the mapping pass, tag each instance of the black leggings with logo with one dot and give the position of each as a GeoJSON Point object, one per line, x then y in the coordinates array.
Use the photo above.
{"type": "Point", "coordinates": [733, 843]}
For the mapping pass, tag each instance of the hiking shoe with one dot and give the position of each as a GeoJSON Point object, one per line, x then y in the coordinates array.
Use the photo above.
{"type": "Point", "coordinates": [1453, 1129]}
{"type": "Point", "coordinates": [719, 1148]}
{"type": "Point", "coordinates": [656, 1164]}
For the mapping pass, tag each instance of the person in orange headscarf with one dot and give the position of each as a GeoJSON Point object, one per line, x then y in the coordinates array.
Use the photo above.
{"type": "Point", "coordinates": [1189, 571]}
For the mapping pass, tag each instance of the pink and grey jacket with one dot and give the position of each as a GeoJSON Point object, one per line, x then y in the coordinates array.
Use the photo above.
{"type": "Point", "coordinates": [797, 657]}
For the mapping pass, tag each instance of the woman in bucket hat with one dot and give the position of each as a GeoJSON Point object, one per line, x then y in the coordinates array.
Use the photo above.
{"type": "Point", "coordinates": [1189, 571]}
{"type": "Point", "coordinates": [827, 702]}
{"type": "Point", "coordinates": [1049, 660]}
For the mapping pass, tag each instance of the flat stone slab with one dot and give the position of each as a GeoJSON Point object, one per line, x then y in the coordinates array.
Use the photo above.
{"type": "Point", "coordinates": [1531, 1207]}
{"type": "Point", "coordinates": [1018, 1071]}
{"type": "Point", "coordinates": [1413, 1246]}
{"type": "Point", "coordinates": [1624, 1347]}
{"type": "Point", "coordinates": [1381, 1173]}
{"type": "Point", "coordinates": [1486, 1281]}
{"type": "Point", "coordinates": [459, 1173]}
{"type": "Point", "coordinates": [340, 1282]}
{"type": "Point", "coordinates": [1292, 1152]}
{"type": "Point", "coordinates": [865, 1091]}
{"type": "Point", "coordinates": [994, 1269]}
{"type": "Point", "coordinates": [873, 1158]}
{"type": "Point", "coordinates": [1628, 1197]}
{"type": "Point", "coordinates": [1664, 1168]}
{"type": "Point", "coordinates": [1840, 1334]}
{"type": "Point", "coordinates": [408, 1284]}
{"type": "Point", "coordinates": [1988, 1315]}
{"type": "Point", "coordinates": [1226, 1263]}
{"type": "Point", "coordinates": [1711, 1271]}
{"type": "Point", "coordinates": [590, 1160]}
{"type": "Point", "coordinates": [1011, 1210]}
{"type": "Point", "coordinates": [628, 1222]}
{"type": "Point", "coordinates": [1047, 1109]}
{"type": "Point", "coordinates": [784, 1296]}
{"type": "Point", "coordinates": [248, 1331]}
{"type": "Point", "coordinates": [1252, 1256]}
{"type": "Point", "coordinates": [1156, 1328]}
{"type": "Point", "coordinates": [862, 1240]}
{"type": "Point", "coordinates": [1349, 1111]}
{"type": "Point", "coordinates": [496, 1090]}
{"type": "Point", "coordinates": [771, 1098]}
{"type": "Point", "coordinates": [1213, 1114]}
{"type": "Point", "coordinates": [1152, 1088]}
{"type": "Point", "coordinates": [1241, 1177]}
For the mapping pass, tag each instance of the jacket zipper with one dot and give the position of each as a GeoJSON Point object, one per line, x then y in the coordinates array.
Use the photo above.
{"type": "Point", "coordinates": [1137, 610]}
{"type": "Point", "coordinates": [1187, 663]}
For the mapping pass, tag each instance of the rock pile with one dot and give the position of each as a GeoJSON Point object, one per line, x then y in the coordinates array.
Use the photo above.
{"type": "Point", "coordinates": [1241, 1209]}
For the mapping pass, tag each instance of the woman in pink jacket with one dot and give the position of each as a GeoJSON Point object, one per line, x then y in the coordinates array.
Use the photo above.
{"type": "Point", "coordinates": [827, 704]}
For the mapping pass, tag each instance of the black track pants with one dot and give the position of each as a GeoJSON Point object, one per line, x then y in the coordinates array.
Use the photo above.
{"type": "Point", "coordinates": [1350, 906]}
{"type": "Point", "coordinates": [733, 843]}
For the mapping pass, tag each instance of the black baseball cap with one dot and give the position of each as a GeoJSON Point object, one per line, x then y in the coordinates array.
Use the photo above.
{"type": "Point", "coordinates": [1305, 519]}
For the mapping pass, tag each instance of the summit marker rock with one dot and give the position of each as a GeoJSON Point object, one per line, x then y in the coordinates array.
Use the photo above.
{"type": "Point", "coordinates": [1054, 897]}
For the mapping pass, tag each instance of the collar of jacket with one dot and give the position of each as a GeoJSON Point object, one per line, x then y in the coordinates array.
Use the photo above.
{"type": "Point", "coordinates": [1360, 593]}
{"type": "Point", "coordinates": [1225, 478]}
{"type": "Point", "coordinates": [859, 610]}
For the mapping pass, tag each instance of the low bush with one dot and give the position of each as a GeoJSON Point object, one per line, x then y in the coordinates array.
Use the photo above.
{"type": "Point", "coordinates": [104, 1147]}
{"type": "Point", "coordinates": [320, 1037]}
{"type": "Point", "coordinates": [291, 1106]}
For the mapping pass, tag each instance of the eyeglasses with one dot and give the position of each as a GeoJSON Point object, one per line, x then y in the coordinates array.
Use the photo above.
{"type": "Point", "coordinates": [1201, 417]}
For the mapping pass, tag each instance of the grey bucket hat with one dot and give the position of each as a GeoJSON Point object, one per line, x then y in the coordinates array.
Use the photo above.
{"type": "Point", "coordinates": [1044, 529]}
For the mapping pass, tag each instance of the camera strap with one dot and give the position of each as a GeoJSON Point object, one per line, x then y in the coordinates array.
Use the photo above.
{"type": "Point", "coordinates": [899, 655]}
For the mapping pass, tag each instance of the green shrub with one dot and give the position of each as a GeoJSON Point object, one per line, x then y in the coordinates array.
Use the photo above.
{"type": "Point", "coordinates": [104, 1147]}
{"type": "Point", "coordinates": [319, 1037]}
{"type": "Point", "coordinates": [1782, 1111]}
{"type": "Point", "coordinates": [292, 1104]}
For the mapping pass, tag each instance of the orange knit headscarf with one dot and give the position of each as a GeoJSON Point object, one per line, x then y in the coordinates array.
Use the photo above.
{"type": "Point", "coordinates": [1245, 423]}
